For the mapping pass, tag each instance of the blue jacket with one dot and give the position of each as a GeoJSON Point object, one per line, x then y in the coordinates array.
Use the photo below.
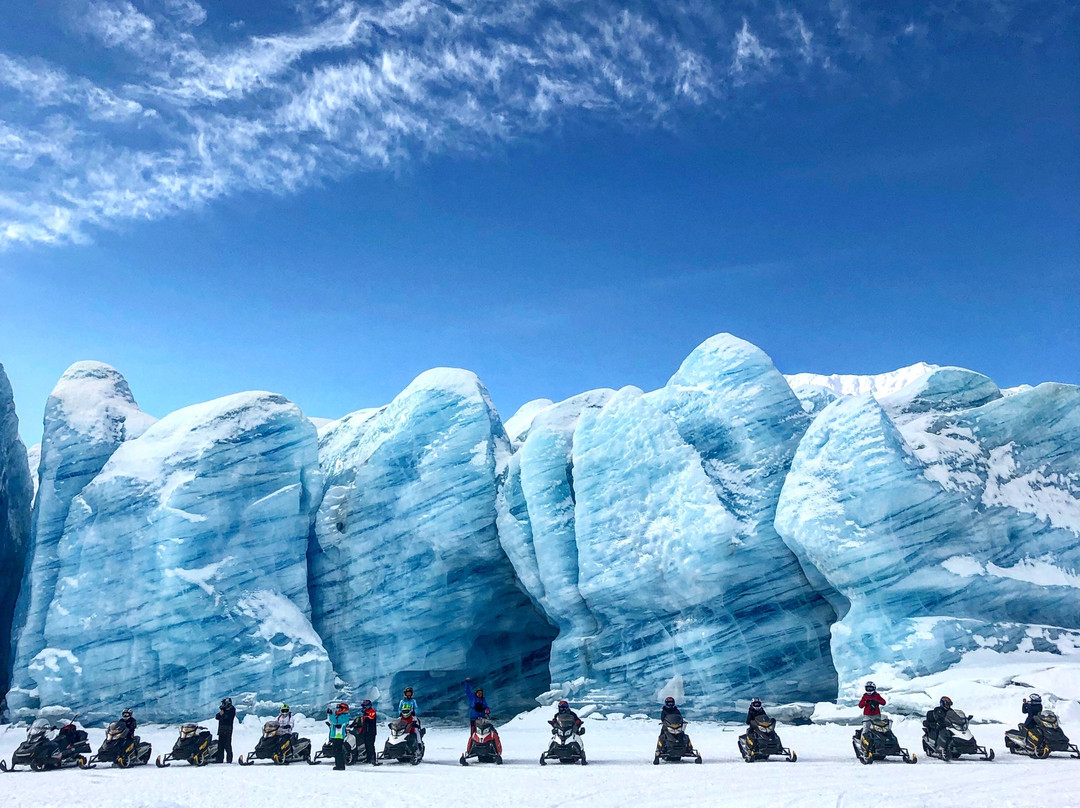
{"type": "Point", "coordinates": [411, 703]}
{"type": "Point", "coordinates": [338, 723]}
{"type": "Point", "coordinates": [478, 706]}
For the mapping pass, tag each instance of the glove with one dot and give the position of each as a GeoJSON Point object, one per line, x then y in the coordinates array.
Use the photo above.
{"type": "Point", "coordinates": [581, 730]}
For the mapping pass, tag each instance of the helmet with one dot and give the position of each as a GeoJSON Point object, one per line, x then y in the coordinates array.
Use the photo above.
{"type": "Point", "coordinates": [1035, 697]}
{"type": "Point", "coordinates": [669, 702]}
{"type": "Point", "coordinates": [343, 708]}
{"type": "Point", "coordinates": [226, 702]}
{"type": "Point", "coordinates": [126, 714]}
{"type": "Point", "coordinates": [564, 705]}
{"type": "Point", "coordinates": [284, 709]}
{"type": "Point", "coordinates": [870, 687]}
{"type": "Point", "coordinates": [408, 692]}
{"type": "Point", "coordinates": [406, 711]}
{"type": "Point", "coordinates": [756, 704]}
{"type": "Point", "coordinates": [945, 702]}
{"type": "Point", "coordinates": [365, 703]}
{"type": "Point", "coordinates": [479, 692]}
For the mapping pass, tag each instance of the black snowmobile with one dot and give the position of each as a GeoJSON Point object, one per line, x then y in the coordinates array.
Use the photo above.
{"type": "Point", "coordinates": [352, 746]}
{"type": "Point", "coordinates": [761, 741]}
{"type": "Point", "coordinates": [674, 744]}
{"type": "Point", "coordinates": [195, 745]}
{"type": "Point", "coordinates": [954, 740]}
{"type": "Point", "coordinates": [281, 749]}
{"type": "Point", "coordinates": [484, 744]}
{"type": "Point", "coordinates": [42, 753]}
{"type": "Point", "coordinates": [1041, 740]}
{"type": "Point", "coordinates": [405, 744]}
{"type": "Point", "coordinates": [119, 750]}
{"type": "Point", "coordinates": [879, 743]}
{"type": "Point", "coordinates": [566, 745]}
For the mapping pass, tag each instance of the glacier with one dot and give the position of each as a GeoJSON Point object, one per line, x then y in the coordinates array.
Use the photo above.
{"type": "Point", "coordinates": [181, 570]}
{"type": "Point", "coordinates": [16, 493]}
{"type": "Point", "coordinates": [733, 533]}
{"type": "Point", "coordinates": [947, 519]}
{"type": "Point", "coordinates": [409, 582]}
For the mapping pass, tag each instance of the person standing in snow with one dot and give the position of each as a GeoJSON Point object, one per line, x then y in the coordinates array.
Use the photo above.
{"type": "Point", "coordinates": [368, 723]}
{"type": "Point", "coordinates": [478, 706]}
{"type": "Point", "coordinates": [871, 704]}
{"type": "Point", "coordinates": [339, 721]}
{"type": "Point", "coordinates": [226, 714]}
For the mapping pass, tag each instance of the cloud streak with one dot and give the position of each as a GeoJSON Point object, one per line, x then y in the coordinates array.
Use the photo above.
{"type": "Point", "coordinates": [199, 108]}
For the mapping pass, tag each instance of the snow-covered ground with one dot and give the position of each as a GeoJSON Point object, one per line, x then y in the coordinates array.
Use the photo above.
{"type": "Point", "coordinates": [619, 773]}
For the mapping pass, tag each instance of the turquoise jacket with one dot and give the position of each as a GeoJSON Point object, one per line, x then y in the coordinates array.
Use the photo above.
{"type": "Point", "coordinates": [337, 724]}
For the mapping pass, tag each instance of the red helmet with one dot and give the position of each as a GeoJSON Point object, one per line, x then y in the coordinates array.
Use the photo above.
{"type": "Point", "coordinates": [564, 706]}
{"type": "Point", "coordinates": [342, 708]}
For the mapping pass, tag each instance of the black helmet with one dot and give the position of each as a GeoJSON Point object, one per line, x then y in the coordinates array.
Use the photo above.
{"type": "Point", "coordinates": [756, 704]}
{"type": "Point", "coordinates": [669, 702]}
{"type": "Point", "coordinates": [945, 702]}
{"type": "Point", "coordinates": [407, 692]}
{"type": "Point", "coordinates": [226, 702]}
{"type": "Point", "coordinates": [564, 705]}
{"type": "Point", "coordinates": [365, 704]}
{"type": "Point", "coordinates": [1036, 698]}
{"type": "Point", "coordinates": [871, 687]}
{"type": "Point", "coordinates": [126, 714]}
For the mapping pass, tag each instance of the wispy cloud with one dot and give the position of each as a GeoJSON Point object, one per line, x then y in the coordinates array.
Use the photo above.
{"type": "Point", "coordinates": [197, 108]}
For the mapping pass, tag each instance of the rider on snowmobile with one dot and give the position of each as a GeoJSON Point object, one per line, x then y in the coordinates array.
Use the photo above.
{"type": "Point", "coordinates": [871, 704]}
{"type": "Point", "coordinates": [564, 712]}
{"type": "Point", "coordinates": [670, 711]}
{"type": "Point", "coordinates": [935, 719]}
{"type": "Point", "coordinates": [411, 723]}
{"type": "Point", "coordinates": [285, 721]}
{"type": "Point", "coordinates": [478, 706]}
{"type": "Point", "coordinates": [755, 711]}
{"type": "Point", "coordinates": [127, 718]}
{"type": "Point", "coordinates": [1032, 706]}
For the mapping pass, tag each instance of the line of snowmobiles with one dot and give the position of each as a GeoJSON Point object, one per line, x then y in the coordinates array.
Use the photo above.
{"type": "Point", "coordinates": [40, 752]}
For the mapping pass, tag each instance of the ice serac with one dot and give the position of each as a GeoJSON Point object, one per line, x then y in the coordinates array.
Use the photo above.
{"type": "Point", "coordinates": [536, 528]}
{"type": "Point", "coordinates": [89, 414]}
{"type": "Point", "coordinates": [409, 582]}
{"type": "Point", "coordinates": [16, 492]}
{"type": "Point", "coordinates": [182, 571]}
{"type": "Point", "coordinates": [518, 425]}
{"type": "Point", "coordinates": [949, 518]}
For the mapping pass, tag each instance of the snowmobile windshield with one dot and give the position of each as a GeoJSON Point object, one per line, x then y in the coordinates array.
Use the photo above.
{"type": "Point", "coordinates": [188, 730]}
{"type": "Point", "coordinates": [1048, 718]}
{"type": "Point", "coordinates": [269, 728]}
{"type": "Point", "coordinates": [763, 723]}
{"type": "Point", "coordinates": [38, 729]}
{"type": "Point", "coordinates": [882, 724]}
{"type": "Point", "coordinates": [956, 718]}
{"type": "Point", "coordinates": [482, 723]}
{"type": "Point", "coordinates": [115, 730]}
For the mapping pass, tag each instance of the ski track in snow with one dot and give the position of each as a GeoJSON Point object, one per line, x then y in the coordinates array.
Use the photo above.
{"type": "Point", "coordinates": [620, 773]}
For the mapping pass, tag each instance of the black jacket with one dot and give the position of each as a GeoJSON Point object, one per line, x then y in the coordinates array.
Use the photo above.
{"type": "Point", "coordinates": [672, 714]}
{"type": "Point", "coordinates": [935, 719]}
{"type": "Point", "coordinates": [130, 724]}
{"type": "Point", "coordinates": [225, 718]}
{"type": "Point", "coordinates": [755, 712]}
{"type": "Point", "coordinates": [1031, 709]}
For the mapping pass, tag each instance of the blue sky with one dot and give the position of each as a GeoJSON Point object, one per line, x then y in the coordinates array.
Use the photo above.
{"type": "Point", "coordinates": [325, 198]}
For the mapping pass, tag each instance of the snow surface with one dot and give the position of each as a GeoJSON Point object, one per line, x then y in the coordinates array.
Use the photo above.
{"type": "Point", "coordinates": [850, 384]}
{"type": "Point", "coordinates": [620, 773]}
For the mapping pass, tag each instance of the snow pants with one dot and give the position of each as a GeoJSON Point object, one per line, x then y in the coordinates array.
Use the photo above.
{"type": "Point", "coordinates": [224, 749]}
{"type": "Point", "coordinates": [339, 753]}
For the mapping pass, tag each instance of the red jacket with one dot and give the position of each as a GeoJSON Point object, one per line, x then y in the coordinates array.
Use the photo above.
{"type": "Point", "coordinates": [871, 703]}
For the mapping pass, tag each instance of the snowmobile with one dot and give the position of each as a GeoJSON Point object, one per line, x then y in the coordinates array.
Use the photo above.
{"type": "Point", "coordinates": [281, 749]}
{"type": "Point", "coordinates": [879, 743]}
{"type": "Point", "coordinates": [405, 744]}
{"type": "Point", "coordinates": [484, 744]}
{"type": "Point", "coordinates": [761, 742]}
{"type": "Point", "coordinates": [118, 749]}
{"type": "Point", "coordinates": [954, 740]}
{"type": "Point", "coordinates": [42, 753]}
{"type": "Point", "coordinates": [1042, 739]}
{"type": "Point", "coordinates": [674, 744]}
{"type": "Point", "coordinates": [352, 746]}
{"type": "Point", "coordinates": [565, 746]}
{"type": "Point", "coordinates": [195, 745]}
